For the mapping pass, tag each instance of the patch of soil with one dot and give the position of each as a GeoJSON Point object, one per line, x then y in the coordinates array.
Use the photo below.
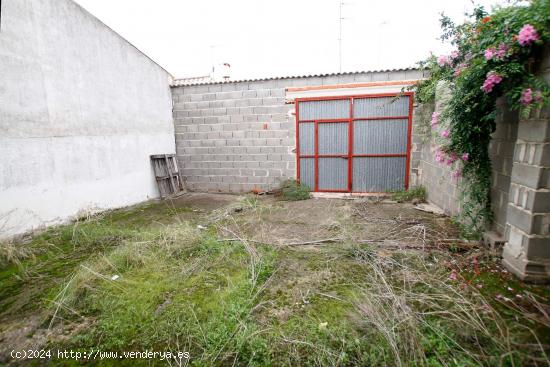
{"type": "Point", "coordinates": [204, 201]}
{"type": "Point", "coordinates": [32, 333]}
{"type": "Point", "coordinates": [360, 220]}
{"type": "Point", "coordinates": [282, 222]}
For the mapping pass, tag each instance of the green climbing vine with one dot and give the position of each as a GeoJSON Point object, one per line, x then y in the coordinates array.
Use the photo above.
{"type": "Point", "coordinates": [495, 55]}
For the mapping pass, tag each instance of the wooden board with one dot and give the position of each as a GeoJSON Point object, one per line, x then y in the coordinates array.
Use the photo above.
{"type": "Point", "coordinates": [169, 181]}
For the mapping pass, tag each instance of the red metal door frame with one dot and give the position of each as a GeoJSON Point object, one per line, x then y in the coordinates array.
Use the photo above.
{"type": "Point", "coordinates": [349, 121]}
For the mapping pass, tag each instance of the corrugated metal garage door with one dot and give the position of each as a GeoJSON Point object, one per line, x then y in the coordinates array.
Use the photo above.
{"type": "Point", "coordinates": [354, 144]}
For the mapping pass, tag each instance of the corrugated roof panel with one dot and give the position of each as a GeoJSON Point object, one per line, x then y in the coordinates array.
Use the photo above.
{"type": "Point", "coordinates": [188, 81]}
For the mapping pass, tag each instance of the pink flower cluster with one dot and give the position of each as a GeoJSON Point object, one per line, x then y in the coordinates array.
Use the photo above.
{"type": "Point", "coordinates": [449, 159]}
{"type": "Point", "coordinates": [496, 53]}
{"type": "Point", "coordinates": [435, 118]}
{"type": "Point", "coordinates": [459, 69]}
{"type": "Point", "coordinates": [527, 96]}
{"type": "Point", "coordinates": [444, 60]}
{"type": "Point", "coordinates": [439, 156]}
{"type": "Point", "coordinates": [492, 80]}
{"type": "Point", "coordinates": [527, 35]}
{"type": "Point", "coordinates": [454, 55]}
{"type": "Point", "coordinates": [456, 174]}
{"type": "Point", "coordinates": [452, 158]}
{"type": "Point", "coordinates": [445, 133]}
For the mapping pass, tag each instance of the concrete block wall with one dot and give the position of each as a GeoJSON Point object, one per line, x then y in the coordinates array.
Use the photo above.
{"type": "Point", "coordinates": [442, 189]}
{"type": "Point", "coordinates": [527, 251]}
{"type": "Point", "coordinates": [501, 152]}
{"type": "Point", "coordinates": [234, 137]}
{"type": "Point", "coordinates": [520, 193]}
{"type": "Point", "coordinates": [237, 136]}
{"type": "Point", "coordinates": [419, 138]}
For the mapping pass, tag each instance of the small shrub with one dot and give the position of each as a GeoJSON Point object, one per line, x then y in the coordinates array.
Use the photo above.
{"type": "Point", "coordinates": [418, 193]}
{"type": "Point", "coordinates": [292, 190]}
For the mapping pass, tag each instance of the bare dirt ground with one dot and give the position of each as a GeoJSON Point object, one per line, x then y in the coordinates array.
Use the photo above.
{"type": "Point", "coordinates": [204, 202]}
{"type": "Point", "coordinates": [360, 220]}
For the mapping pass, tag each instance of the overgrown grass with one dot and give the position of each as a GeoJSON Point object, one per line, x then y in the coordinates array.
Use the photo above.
{"type": "Point", "coordinates": [173, 286]}
{"type": "Point", "coordinates": [179, 289]}
{"type": "Point", "coordinates": [13, 253]}
{"type": "Point", "coordinates": [418, 193]}
{"type": "Point", "coordinates": [30, 271]}
{"type": "Point", "coordinates": [422, 317]}
{"type": "Point", "coordinates": [292, 190]}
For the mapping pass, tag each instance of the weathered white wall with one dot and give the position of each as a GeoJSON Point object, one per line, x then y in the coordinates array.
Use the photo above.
{"type": "Point", "coordinates": [81, 110]}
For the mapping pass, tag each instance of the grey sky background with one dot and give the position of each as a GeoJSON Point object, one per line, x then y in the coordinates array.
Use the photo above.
{"type": "Point", "coordinates": [262, 38]}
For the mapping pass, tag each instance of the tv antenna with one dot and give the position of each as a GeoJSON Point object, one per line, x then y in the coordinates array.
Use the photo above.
{"type": "Point", "coordinates": [340, 19]}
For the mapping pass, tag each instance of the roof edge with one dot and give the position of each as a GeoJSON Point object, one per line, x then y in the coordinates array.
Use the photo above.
{"type": "Point", "coordinates": [122, 37]}
{"type": "Point", "coordinates": [175, 84]}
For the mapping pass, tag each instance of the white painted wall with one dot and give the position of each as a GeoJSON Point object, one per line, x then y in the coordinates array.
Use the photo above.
{"type": "Point", "coordinates": [81, 110]}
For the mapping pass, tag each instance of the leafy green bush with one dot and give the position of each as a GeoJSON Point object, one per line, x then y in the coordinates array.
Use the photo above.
{"type": "Point", "coordinates": [409, 195]}
{"type": "Point", "coordinates": [292, 190]}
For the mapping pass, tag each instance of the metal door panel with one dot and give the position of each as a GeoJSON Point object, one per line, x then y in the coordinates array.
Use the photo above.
{"type": "Point", "coordinates": [380, 107]}
{"type": "Point", "coordinates": [380, 136]}
{"type": "Point", "coordinates": [333, 174]}
{"type": "Point", "coordinates": [378, 174]}
{"type": "Point", "coordinates": [333, 138]}
{"type": "Point", "coordinates": [321, 110]}
{"type": "Point", "coordinates": [307, 138]}
{"type": "Point", "coordinates": [307, 172]}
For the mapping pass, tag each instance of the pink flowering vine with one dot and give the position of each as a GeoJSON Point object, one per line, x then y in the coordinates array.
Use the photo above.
{"type": "Point", "coordinates": [439, 156]}
{"type": "Point", "coordinates": [435, 118]}
{"type": "Point", "coordinates": [456, 174]}
{"type": "Point", "coordinates": [454, 55]}
{"type": "Point", "coordinates": [527, 96]}
{"type": "Point", "coordinates": [445, 133]}
{"type": "Point", "coordinates": [465, 157]}
{"type": "Point", "coordinates": [501, 52]}
{"type": "Point", "coordinates": [492, 80]}
{"type": "Point", "coordinates": [460, 68]}
{"type": "Point", "coordinates": [527, 35]}
{"type": "Point", "coordinates": [496, 53]}
{"type": "Point", "coordinates": [442, 60]}
{"type": "Point", "coordinates": [452, 158]}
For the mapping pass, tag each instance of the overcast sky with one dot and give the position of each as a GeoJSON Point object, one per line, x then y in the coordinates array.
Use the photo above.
{"type": "Point", "coordinates": [262, 38]}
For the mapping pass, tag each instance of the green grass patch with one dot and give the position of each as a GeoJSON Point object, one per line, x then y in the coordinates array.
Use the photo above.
{"type": "Point", "coordinates": [30, 271]}
{"type": "Point", "coordinates": [185, 292]}
{"type": "Point", "coordinates": [418, 193]}
{"type": "Point", "coordinates": [292, 190]}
